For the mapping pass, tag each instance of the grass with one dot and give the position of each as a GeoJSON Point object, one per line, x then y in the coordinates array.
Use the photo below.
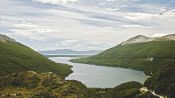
{"type": "Point", "coordinates": [15, 57]}
{"type": "Point", "coordinates": [48, 85]}
{"type": "Point", "coordinates": [135, 56]}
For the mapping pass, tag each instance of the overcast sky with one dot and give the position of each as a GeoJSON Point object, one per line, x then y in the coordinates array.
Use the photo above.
{"type": "Point", "coordinates": [84, 24]}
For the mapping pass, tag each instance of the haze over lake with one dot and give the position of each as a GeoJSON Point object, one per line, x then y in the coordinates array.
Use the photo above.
{"type": "Point", "coordinates": [100, 76]}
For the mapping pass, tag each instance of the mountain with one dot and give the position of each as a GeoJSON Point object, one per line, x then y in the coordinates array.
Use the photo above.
{"type": "Point", "coordinates": [147, 56]}
{"type": "Point", "coordinates": [17, 57]}
{"type": "Point", "coordinates": [68, 52]}
{"type": "Point", "coordinates": [137, 39]}
{"type": "Point", "coordinates": [30, 84]}
{"type": "Point", "coordinates": [141, 39]}
{"type": "Point", "coordinates": [137, 53]}
{"type": "Point", "coordinates": [155, 56]}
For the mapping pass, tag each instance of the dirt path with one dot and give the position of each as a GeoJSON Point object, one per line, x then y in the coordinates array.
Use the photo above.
{"type": "Point", "coordinates": [144, 89]}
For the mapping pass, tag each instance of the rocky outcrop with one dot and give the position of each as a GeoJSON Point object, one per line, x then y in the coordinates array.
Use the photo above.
{"type": "Point", "coordinates": [6, 39]}
{"type": "Point", "coordinates": [137, 39]}
{"type": "Point", "coordinates": [168, 37]}
{"type": "Point", "coordinates": [141, 39]}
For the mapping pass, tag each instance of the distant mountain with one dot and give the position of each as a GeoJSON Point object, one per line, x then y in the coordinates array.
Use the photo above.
{"type": "Point", "coordinates": [16, 57]}
{"type": "Point", "coordinates": [141, 39]}
{"type": "Point", "coordinates": [69, 52]}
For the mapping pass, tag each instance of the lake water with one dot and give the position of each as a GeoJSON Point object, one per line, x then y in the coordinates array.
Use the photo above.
{"type": "Point", "coordinates": [100, 76]}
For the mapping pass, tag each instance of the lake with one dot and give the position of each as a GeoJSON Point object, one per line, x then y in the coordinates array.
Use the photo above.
{"type": "Point", "coordinates": [100, 76]}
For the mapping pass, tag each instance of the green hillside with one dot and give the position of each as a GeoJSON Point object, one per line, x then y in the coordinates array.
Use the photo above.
{"type": "Point", "coordinates": [156, 58]}
{"type": "Point", "coordinates": [163, 81]}
{"type": "Point", "coordinates": [15, 57]}
{"type": "Point", "coordinates": [147, 56]}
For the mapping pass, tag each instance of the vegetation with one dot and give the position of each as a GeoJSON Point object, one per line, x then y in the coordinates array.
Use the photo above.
{"type": "Point", "coordinates": [30, 84]}
{"type": "Point", "coordinates": [163, 81]}
{"type": "Point", "coordinates": [46, 85]}
{"type": "Point", "coordinates": [156, 58]}
{"type": "Point", "coordinates": [21, 72]}
{"type": "Point", "coordinates": [147, 56]}
{"type": "Point", "coordinates": [125, 90]}
{"type": "Point", "coordinates": [16, 57]}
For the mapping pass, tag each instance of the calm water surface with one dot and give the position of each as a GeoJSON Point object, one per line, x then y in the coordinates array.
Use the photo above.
{"type": "Point", "coordinates": [100, 76]}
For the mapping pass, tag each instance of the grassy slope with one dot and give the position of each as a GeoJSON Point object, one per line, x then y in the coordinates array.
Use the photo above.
{"type": "Point", "coordinates": [15, 57]}
{"type": "Point", "coordinates": [134, 55]}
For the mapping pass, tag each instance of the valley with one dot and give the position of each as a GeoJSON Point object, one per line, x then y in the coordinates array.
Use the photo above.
{"type": "Point", "coordinates": [26, 73]}
{"type": "Point", "coordinates": [87, 49]}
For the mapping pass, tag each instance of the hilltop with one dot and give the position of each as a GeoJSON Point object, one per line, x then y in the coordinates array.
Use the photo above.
{"type": "Point", "coordinates": [6, 39]}
{"type": "Point", "coordinates": [142, 38]}
{"type": "Point", "coordinates": [137, 39]}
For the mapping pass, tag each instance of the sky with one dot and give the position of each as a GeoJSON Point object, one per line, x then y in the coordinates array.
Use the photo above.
{"type": "Point", "coordinates": [84, 24]}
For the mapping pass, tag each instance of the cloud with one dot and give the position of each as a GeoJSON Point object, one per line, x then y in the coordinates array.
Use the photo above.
{"type": "Point", "coordinates": [80, 45]}
{"type": "Point", "coordinates": [140, 16]}
{"type": "Point", "coordinates": [164, 14]}
{"type": "Point", "coordinates": [25, 24]}
{"type": "Point", "coordinates": [169, 14]}
{"type": "Point", "coordinates": [31, 31]}
{"type": "Point", "coordinates": [159, 34]}
{"type": "Point", "coordinates": [70, 42]}
{"type": "Point", "coordinates": [34, 34]}
{"type": "Point", "coordinates": [112, 9]}
{"type": "Point", "coordinates": [135, 26]}
{"type": "Point", "coordinates": [55, 1]}
{"type": "Point", "coordinates": [84, 24]}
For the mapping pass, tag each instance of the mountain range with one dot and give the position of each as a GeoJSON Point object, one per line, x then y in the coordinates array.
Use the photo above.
{"type": "Point", "coordinates": [69, 52]}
